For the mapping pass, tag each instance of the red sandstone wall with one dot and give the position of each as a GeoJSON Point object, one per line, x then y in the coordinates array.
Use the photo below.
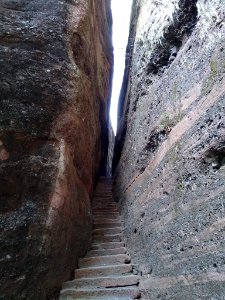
{"type": "Point", "coordinates": [55, 70]}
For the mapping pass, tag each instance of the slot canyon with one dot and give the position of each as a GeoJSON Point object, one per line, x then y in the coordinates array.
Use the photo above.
{"type": "Point", "coordinates": [138, 216]}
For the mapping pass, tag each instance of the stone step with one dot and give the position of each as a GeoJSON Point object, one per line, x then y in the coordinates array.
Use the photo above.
{"type": "Point", "coordinates": [104, 252]}
{"type": "Point", "coordinates": [103, 231]}
{"type": "Point", "coordinates": [112, 216]}
{"type": "Point", "coordinates": [107, 238]}
{"type": "Point", "coordinates": [98, 225]}
{"type": "Point", "coordinates": [105, 219]}
{"type": "Point", "coordinates": [104, 184]}
{"type": "Point", "coordinates": [69, 297]}
{"type": "Point", "coordinates": [103, 197]}
{"type": "Point", "coordinates": [110, 200]}
{"type": "Point", "coordinates": [102, 193]}
{"type": "Point", "coordinates": [111, 219]}
{"type": "Point", "coordinates": [103, 202]}
{"type": "Point", "coordinates": [103, 260]}
{"type": "Point", "coordinates": [107, 186]}
{"type": "Point", "coordinates": [90, 272]}
{"type": "Point", "coordinates": [104, 206]}
{"type": "Point", "coordinates": [107, 199]}
{"type": "Point", "coordinates": [103, 188]}
{"type": "Point", "coordinates": [99, 200]}
{"type": "Point", "coordinates": [104, 210]}
{"type": "Point", "coordinates": [108, 195]}
{"type": "Point", "coordinates": [103, 246]}
{"type": "Point", "coordinates": [132, 292]}
{"type": "Point", "coordinates": [102, 282]}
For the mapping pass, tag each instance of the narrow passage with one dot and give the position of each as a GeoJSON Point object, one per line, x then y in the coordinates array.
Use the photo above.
{"type": "Point", "coordinates": [106, 272]}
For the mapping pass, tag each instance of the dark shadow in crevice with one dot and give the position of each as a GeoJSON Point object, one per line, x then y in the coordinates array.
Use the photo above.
{"type": "Point", "coordinates": [184, 20]}
{"type": "Point", "coordinates": [214, 159]}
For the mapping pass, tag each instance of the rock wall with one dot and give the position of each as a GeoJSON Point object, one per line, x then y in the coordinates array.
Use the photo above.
{"type": "Point", "coordinates": [170, 148]}
{"type": "Point", "coordinates": [110, 151]}
{"type": "Point", "coordinates": [55, 77]}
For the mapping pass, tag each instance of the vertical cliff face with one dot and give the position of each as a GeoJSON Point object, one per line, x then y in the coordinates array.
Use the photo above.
{"type": "Point", "coordinates": [170, 148]}
{"type": "Point", "coordinates": [55, 70]}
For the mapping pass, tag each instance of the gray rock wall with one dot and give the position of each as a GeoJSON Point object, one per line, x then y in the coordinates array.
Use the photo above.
{"type": "Point", "coordinates": [170, 150]}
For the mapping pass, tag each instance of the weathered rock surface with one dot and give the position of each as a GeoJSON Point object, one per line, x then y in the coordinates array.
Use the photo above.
{"type": "Point", "coordinates": [110, 151]}
{"type": "Point", "coordinates": [170, 148]}
{"type": "Point", "coordinates": [55, 70]}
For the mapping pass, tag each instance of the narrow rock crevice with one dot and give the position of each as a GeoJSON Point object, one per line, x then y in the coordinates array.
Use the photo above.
{"type": "Point", "coordinates": [124, 99]}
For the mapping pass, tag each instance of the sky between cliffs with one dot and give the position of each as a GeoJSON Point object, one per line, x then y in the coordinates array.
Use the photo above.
{"type": "Point", "coordinates": [121, 11]}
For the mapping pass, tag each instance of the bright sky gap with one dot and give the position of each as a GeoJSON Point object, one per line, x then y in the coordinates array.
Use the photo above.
{"type": "Point", "coordinates": [121, 11]}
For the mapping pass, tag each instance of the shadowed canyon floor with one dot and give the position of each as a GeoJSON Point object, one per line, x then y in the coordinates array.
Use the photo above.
{"type": "Point", "coordinates": [105, 272]}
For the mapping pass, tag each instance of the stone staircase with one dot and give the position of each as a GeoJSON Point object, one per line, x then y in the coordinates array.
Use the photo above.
{"type": "Point", "coordinates": [106, 272]}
